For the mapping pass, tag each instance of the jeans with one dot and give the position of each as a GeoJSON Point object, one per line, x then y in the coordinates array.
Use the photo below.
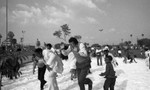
{"type": "Point", "coordinates": [109, 83]}
{"type": "Point", "coordinates": [41, 72]}
{"type": "Point", "coordinates": [82, 80]}
{"type": "Point", "coordinates": [99, 60]}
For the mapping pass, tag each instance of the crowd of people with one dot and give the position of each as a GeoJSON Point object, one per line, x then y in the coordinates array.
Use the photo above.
{"type": "Point", "coordinates": [49, 62]}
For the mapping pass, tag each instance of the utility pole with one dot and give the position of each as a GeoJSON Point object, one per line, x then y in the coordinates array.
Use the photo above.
{"type": "Point", "coordinates": [6, 22]}
{"type": "Point", "coordinates": [6, 18]}
{"type": "Point", "coordinates": [23, 32]}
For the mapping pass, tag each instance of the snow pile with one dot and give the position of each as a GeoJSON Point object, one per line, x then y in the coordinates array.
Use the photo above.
{"type": "Point", "coordinates": [134, 76]}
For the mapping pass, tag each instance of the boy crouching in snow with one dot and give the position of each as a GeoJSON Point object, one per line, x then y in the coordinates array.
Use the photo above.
{"type": "Point", "coordinates": [109, 74]}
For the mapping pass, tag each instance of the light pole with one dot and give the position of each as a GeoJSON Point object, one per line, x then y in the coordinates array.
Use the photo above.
{"type": "Point", "coordinates": [23, 36]}
{"type": "Point", "coordinates": [131, 38]}
{"type": "Point", "coordinates": [6, 18]}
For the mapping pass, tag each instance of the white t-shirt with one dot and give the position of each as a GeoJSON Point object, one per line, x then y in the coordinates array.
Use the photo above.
{"type": "Point", "coordinates": [82, 50]}
{"type": "Point", "coordinates": [72, 60]}
{"type": "Point", "coordinates": [45, 54]}
{"type": "Point", "coordinates": [54, 62]}
{"type": "Point", "coordinates": [147, 54]}
{"type": "Point", "coordinates": [119, 51]}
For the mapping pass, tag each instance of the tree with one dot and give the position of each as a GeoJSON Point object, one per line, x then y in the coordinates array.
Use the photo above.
{"type": "Point", "coordinates": [65, 31]}
{"type": "Point", "coordinates": [144, 42]}
{"type": "Point", "coordinates": [10, 35]}
{"type": "Point", "coordinates": [10, 63]}
{"type": "Point", "coordinates": [95, 45]}
{"type": "Point", "coordinates": [58, 34]}
{"type": "Point", "coordinates": [0, 38]}
{"type": "Point", "coordinates": [78, 37]}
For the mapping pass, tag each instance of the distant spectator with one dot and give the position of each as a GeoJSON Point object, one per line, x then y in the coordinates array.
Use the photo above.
{"type": "Point", "coordinates": [99, 56]}
{"type": "Point", "coordinates": [147, 55]}
{"type": "Point", "coordinates": [119, 53]}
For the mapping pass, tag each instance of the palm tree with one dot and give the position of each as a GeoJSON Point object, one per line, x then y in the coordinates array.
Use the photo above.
{"type": "Point", "coordinates": [65, 31]}
{"type": "Point", "coordinates": [10, 63]}
{"type": "Point", "coordinates": [58, 34]}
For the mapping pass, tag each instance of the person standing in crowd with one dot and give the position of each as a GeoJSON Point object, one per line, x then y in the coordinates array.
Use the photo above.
{"type": "Point", "coordinates": [54, 65]}
{"type": "Point", "coordinates": [99, 56]}
{"type": "Point", "coordinates": [106, 53]}
{"type": "Point", "coordinates": [147, 55]}
{"type": "Point", "coordinates": [39, 61]}
{"type": "Point", "coordinates": [125, 55]}
{"type": "Point", "coordinates": [82, 63]}
{"type": "Point", "coordinates": [129, 56]}
{"type": "Point", "coordinates": [119, 53]}
{"type": "Point", "coordinates": [109, 74]}
{"type": "Point", "coordinates": [46, 51]}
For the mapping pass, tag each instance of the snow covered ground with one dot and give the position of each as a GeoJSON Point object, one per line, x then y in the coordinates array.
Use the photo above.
{"type": "Point", "coordinates": [134, 76]}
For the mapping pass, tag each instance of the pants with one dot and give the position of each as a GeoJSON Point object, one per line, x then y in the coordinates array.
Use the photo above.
{"type": "Point", "coordinates": [41, 72]}
{"type": "Point", "coordinates": [148, 62]}
{"type": "Point", "coordinates": [99, 60]}
{"type": "Point", "coordinates": [52, 83]}
{"type": "Point", "coordinates": [109, 83]}
{"type": "Point", "coordinates": [82, 80]}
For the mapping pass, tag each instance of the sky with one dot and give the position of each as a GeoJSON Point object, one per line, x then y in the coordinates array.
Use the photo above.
{"type": "Point", "coordinates": [41, 18]}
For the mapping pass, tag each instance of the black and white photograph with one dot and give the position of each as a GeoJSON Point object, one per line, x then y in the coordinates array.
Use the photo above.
{"type": "Point", "coordinates": [74, 44]}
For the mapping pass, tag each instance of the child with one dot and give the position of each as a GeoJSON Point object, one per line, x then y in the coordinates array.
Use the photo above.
{"type": "Point", "coordinates": [39, 61]}
{"type": "Point", "coordinates": [114, 61]}
{"type": "Point", "coordinates": [109, 74]}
